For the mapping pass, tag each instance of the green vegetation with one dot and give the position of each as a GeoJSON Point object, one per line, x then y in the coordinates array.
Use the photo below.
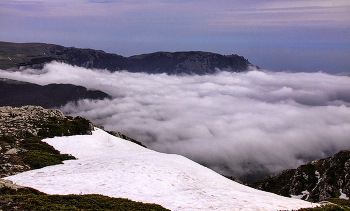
{"type": "Point", "coordinates": [7, 139]}
{"type": "Point", "coordinates": [39, 159]}
{"type": "Point", "coordinates": [38, 154]}
{"type": "Point", "coordinates": [31, 199]}
{"type": "Point", "coordinates": [41, 154]}
{"type": "Point", "coordinates": [338, 205]}
{"type": "Point", "coordinates": [341, 202]}
{"type": "Point", "coordinates": [326, 208]}
{"type": "Point", "coordinates": [68, 126]}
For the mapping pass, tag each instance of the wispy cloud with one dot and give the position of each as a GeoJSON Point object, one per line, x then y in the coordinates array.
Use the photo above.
{"type": "Point", "coordinates": [33, 6]}
{"type": "Point", "coordinates": [101, 1]}
{"type": "Point", "coordinates": [231, 13]}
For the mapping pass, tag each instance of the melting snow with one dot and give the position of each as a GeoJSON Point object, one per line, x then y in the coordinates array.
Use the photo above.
{"type": "Point", "coordinates": [118, 168]}
{"type": "Point", "coordinates": [317, 174]}
{"type": "Point", "coordinates": [303, 193]}
{"type": "Point", "coordinates": [343, 195]}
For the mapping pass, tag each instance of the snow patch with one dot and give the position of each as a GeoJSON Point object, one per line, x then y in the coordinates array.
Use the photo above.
{"type": "Point", "coordinates": [317, 174]}
{"type": "Point", "coordinates": [343, 195]}
{"type": "Point", "coordinates": [118, 168]}
{"type": "Point", "coordinates": [303, 193]}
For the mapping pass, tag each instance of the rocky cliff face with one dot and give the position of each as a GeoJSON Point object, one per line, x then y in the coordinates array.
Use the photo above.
{"type": "Point", "coordinates": [314, 181]}
{"type": "Point", "coordinates": [35, 55]}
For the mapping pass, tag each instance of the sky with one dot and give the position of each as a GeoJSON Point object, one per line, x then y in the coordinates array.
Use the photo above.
{"type": "Point", "coordinates": [246, 124]}
{"type": "Point", "coordinates": [295, 35]}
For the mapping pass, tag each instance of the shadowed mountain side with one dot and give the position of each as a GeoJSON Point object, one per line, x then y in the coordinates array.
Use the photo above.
{"type": "Point", "coordinates": [196, 62]}
{"type": "Point", "coordinates": [315, 181]}
{"type": "Point", "coordinates": [16, 93]}
{"type": "Point", "coordinates": [35, 55]}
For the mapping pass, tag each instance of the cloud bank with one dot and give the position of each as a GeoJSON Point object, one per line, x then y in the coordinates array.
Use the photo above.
{"type": "Point", "coordinates": [244, 124]}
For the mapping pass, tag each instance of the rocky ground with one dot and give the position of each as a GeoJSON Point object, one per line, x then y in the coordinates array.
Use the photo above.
{"type": "Point", "coordinates": [15, 125]}
{"type": "Point", "coordinates": [23, 121]}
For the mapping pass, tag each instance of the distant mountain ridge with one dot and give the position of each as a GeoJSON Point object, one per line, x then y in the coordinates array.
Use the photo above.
{"type": "Point", "coordinates": [35, 55]}
{"type": "Point", "coordinates": [315, 181]}
{"type": "Point", "coordinates": [18, 93]}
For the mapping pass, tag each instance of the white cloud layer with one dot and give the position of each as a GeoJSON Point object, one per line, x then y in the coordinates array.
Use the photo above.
{"type": "Point", "coordinates": [235, 123]}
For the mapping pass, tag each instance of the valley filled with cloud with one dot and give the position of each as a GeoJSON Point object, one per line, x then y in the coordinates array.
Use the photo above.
{"type": "Point", "coordinates": [246, 124]}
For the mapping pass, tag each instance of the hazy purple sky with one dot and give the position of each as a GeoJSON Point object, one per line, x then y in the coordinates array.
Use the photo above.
{"type": "Point", "coordinates": [295, 35]}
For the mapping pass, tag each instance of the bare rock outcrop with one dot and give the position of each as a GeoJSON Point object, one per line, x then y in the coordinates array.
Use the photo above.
{"type": "Point", "coordinates": [21, 131]}
{"type": "Point", "coordinates": [19, 122]}
{"type": "Point", "coordinates": [315, 181]}
{"type": "Point", "coordinates": [9, 184]}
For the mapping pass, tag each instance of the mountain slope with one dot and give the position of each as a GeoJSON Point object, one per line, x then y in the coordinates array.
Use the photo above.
{"type": "Point", "coordinates": [111, 166]}
{"type": "Point", "coordinates": [35, 55]}
{"type": "Point", "coordinates": [16, 93]}
{"type": "Point", "coordinates": [314, 181]}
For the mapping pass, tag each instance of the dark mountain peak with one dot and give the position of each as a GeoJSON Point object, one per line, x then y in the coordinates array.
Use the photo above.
{"type": "Point", "coordinates": [36, 55]}
{"type": "Point", "coordinates": [189, 62]}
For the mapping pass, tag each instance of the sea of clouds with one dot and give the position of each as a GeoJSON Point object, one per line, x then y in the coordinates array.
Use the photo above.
{"type": "Point", "coordinates": [245, 124]}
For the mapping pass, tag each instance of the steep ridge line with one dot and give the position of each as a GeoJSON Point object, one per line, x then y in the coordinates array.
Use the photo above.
{"type": "Point", "coordinates": [36, 55]}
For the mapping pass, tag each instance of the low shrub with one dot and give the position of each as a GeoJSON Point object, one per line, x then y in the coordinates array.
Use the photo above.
{"type": "Point", "coordinates": [38, 159]}
{"type": "Point", "coordinates": [338, 205]}
{"type": "Point", "coordinates": [35, 143]}
{"type": "Point", "coordinates": [31, 199]}
{"type": "Point", "coordinates": [7, 139]}
{"type": "Point", "coordinates": [66, 127]}
{"type": "Point", "coordinates": [326, 208]}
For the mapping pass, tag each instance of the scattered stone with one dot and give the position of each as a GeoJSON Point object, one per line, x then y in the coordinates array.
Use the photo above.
{"type": "Point", "coordinates": [19, 122]}
{"type": "Point", "coordinates": [9, 184]}
{"type": "Point", "coordinates": [12, 151]}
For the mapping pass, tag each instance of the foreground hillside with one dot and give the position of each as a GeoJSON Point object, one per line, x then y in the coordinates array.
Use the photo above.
{"type": "Point", "coordinates": [21, 149]}
{"type": "Point", "coordinates": [105, 164]}
{"type": "Point", "coordinates": [118, 168]}
{"type": "Point", "coordinates": [35, 55]}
